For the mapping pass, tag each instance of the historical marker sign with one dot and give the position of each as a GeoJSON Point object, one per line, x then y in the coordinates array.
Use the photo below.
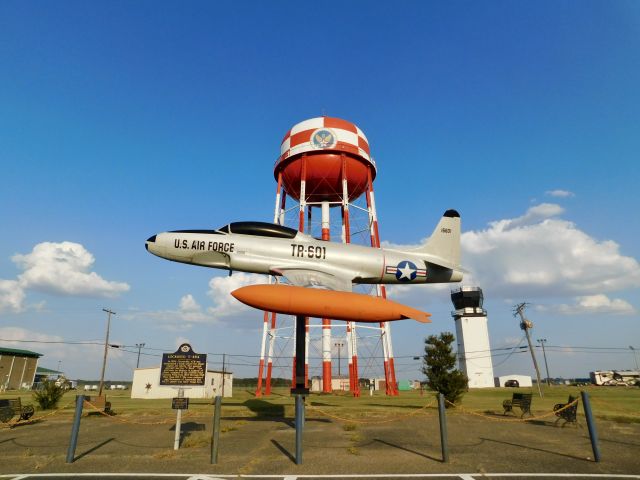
{"type": "Point", "coordinates": [183, 367]}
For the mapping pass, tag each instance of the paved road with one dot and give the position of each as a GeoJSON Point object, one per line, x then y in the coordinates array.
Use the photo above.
{"type": "Point", "coordinates": [462, 476]}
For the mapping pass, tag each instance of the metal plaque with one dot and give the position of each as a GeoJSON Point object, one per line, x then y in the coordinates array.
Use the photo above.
{"type": "Point", "coordinates": [180, 403]}
{"type": "Point", "coordinates": [183, 367]}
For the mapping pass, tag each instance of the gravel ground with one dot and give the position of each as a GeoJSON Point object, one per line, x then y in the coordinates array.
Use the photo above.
{"type": "Point", "coordinates": [267, 446]}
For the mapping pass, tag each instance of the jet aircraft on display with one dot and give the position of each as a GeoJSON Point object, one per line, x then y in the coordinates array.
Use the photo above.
{"type": "Point", "coordinates": [305, 261]}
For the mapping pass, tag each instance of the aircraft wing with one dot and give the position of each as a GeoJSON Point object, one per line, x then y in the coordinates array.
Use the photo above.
{"type": "Point", "coordinates": [304, 277]}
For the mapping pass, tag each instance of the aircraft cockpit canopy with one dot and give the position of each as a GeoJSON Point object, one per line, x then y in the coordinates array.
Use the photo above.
{"type": "Point", "coordinates": [261, 229]}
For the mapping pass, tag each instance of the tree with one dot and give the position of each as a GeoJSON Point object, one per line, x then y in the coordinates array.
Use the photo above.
{"type": "Point", "coordinates": [439, 367]}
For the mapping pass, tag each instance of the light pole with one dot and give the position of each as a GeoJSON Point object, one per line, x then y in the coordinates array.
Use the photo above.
{"type": "Point", "coordinates": [106, 347]}
{"type": "Point", "coordinates": [59, 363]}
{"type": "Point", "coordinates": [542, 341]}
{"type": "Point", "coordinates": [635, 359]}
{"type": "Point", "coordinates": [339, 345]}
{"type": "Point", "coordinates": [139, 345]}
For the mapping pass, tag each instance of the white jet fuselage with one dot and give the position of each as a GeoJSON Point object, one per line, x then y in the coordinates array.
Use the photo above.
{"type": "Point", "coordinates": [304, 260]}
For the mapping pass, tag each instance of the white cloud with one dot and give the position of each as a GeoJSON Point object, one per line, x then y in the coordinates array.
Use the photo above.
{"type": "Point", "coordinates": [187, 313]}
{"type": "Point", "coordinates": [11, 296]}
{"type": "Point", "coordinates": [560, 193]}
{"type": "Point", "coordinates": [534, 215]}
{"type": "Point", "coordinates": [534, 255]}
{"type": "Point", "coordinates": [180, 340]}
{"type": "Point", "coordinates": [591, 305]}
{"type": "Point", "coordinates": [64, 269]}
{"type": "Point", "coordinates": [220, 289]}
{"type": "Point", "coordinates": [190, 311]}
{"type": "Point", "coordinates": [72, 357]}
{"type": "Point", "coordinates": [538, 256]}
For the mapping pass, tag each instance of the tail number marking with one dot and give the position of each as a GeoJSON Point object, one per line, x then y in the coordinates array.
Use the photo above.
{"type": "Point", "coordinates": [308, 251]}
{"type": "Point", "coordinates": [445, 230]}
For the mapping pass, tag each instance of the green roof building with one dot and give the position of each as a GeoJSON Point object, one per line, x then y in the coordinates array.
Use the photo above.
{"type": "Point", "coordinates": [17, 368]}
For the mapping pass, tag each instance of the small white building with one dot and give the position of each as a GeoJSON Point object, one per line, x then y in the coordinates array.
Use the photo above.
{"type": "Point", "coordinates": [523, 380]}
{"type": "Point", "coordinates": [340, 384]}
{"type": "Point", "coordinates": [146, 384]}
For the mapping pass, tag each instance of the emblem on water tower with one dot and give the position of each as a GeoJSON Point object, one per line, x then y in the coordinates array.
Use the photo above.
{"type": "Point", "coordinates": [323, 138]}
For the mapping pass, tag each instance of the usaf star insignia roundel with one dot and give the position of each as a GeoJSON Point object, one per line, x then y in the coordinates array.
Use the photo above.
{"type": "Point", "coordinates": [406, 271]}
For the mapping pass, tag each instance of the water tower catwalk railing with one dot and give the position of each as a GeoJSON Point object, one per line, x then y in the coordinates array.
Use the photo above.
{"type": "Point", "coordinates": [320, 180]}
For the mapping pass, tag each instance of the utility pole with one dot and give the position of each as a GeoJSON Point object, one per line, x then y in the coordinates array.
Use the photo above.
{"type": "Point", "coordinates": [635, 359]}
{"type": "Point", "coordinates": [139, 345]}
{"type": "Point", "coordinates": [527, 325]}
{"type": "Point", "coordinates": [224, 358]}
{"type": "Point", "coordinates": [339, 345]}
{"type": "Point", "coordinates": [542, 341]}
{"type": "Point", "coordinates": [106, 347]}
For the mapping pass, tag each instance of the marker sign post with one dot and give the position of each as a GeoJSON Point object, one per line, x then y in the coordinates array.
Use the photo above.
{"type": "Point", "coordinates": [183, 368]}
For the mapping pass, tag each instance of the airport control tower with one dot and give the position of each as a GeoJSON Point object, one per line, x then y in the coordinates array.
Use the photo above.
{"type": "Point", "coordinates": [472, 334]}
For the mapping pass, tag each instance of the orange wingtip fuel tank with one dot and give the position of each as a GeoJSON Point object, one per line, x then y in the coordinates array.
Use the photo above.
{"type": "Point", "coordinates": [311, 302]}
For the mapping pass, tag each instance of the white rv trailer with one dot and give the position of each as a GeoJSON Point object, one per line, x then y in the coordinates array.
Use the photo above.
{"type": "Point", "coordinates": [615, 377]}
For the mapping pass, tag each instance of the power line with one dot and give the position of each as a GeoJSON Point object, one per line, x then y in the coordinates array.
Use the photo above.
{"type": "Point", "coordinates": [81, 342]}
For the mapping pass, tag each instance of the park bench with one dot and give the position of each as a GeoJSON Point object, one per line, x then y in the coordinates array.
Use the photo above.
{"type": "Point", "coordinates": [569, 414]}
{"type": "Point", "coordinates": [99, 402]}
{"type": "Point", "coordinates": [521, 400]}
{"type": "Point", "coordinates": [10, 407]}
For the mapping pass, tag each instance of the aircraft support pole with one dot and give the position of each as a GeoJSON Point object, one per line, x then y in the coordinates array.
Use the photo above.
{"type": "Point", "coordinates": [299, 427]}
{"type": "Point", "coordinates": [300, 389]}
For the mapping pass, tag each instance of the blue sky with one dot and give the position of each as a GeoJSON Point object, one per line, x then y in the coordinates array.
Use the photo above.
{"type": "Point", "coordinates": [119, 120]}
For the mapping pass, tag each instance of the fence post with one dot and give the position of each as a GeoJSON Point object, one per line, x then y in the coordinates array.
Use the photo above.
{"type": "Point", "coordinates": [75, 428]}
{"type": "Point", "coordinates": [215, 437]}
{"type": "Point", "coordinates": [591, 424]}
{"type": "Point", "coordinates": [444, 440]}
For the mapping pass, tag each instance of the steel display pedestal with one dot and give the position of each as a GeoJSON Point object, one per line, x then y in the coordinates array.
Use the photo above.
{"type": "Point", "coordinates": [300, 389]}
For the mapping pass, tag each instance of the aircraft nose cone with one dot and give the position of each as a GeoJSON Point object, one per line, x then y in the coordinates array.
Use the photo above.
{"type": "Point", "coordinates": [150, 239]}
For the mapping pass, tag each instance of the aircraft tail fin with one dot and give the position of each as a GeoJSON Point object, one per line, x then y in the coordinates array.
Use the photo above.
{"type": "Point", "coordinates": [443, 246]}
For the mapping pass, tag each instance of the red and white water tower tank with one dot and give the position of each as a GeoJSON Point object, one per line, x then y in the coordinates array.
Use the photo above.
{"type": "Point", "coordinates": [334, 149]}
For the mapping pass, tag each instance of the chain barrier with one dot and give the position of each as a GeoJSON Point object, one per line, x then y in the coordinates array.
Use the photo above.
{"type": "Point", "coordinates": [12, 424]}
{"type": "Point", "coordinates": [512, 419]}
{"type": "Point", "coordinates": [133, 422]}
{"type": "Point", "coordinates": [386, 420]}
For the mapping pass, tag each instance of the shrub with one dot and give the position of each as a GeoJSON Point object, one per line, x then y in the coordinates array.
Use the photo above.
{"type": "Point", "coordinates": [49, 395]}
{"type": "Point", "coordinates": [439, 367]}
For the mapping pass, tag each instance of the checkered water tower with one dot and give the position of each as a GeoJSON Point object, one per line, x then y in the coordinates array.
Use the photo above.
{"type": "Point", "coordinates": [324, 177]}
{"type": "Point", "coordinates": [472, 334]}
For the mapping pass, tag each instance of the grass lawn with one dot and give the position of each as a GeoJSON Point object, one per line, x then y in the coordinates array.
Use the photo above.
{"type": "Point", "coordinates": [619, 404]}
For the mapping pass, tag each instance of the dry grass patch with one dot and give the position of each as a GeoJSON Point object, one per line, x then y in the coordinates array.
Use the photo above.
{"type": "Point", "coordinates": [196, 440]}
